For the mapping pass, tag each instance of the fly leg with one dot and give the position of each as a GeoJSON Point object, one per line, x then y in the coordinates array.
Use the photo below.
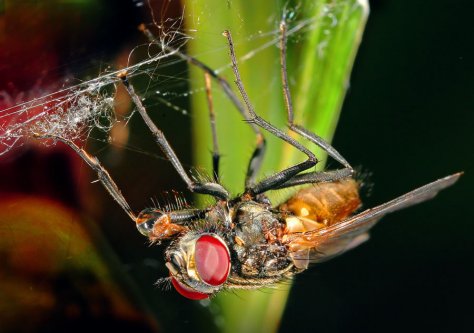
{"type": "Point", "coordinates": [102, 174]}
{"type": "Point", "coordinates": [317, 177]}
{"type": "Point", "coordinates": [211, 188]}
{"type": "Point", "coordinates": [282, 176]}
{"type": "Point", "coordinates": [259, 151]}
{"type": "Point", "coordinates": [159, 225]}
{"type": "Point", "coordinates": [289, 107]}
{"type": "Point", "coordinates": [212, 119]}
{"type": "Point", "coordinates": [154, 223]}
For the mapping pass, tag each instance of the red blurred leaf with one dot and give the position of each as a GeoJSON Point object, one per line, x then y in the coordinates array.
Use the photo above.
{"type": "Point", "coordinates": [52, 273]}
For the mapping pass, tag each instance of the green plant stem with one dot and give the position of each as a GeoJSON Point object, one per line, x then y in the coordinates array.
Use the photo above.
{"type": "Point", "coordinates": [320, 59]}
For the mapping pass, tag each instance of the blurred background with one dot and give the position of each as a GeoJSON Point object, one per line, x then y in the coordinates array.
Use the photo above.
{"type": "Point", "coordinates": [72, 258]}
{"type": "Point", "coordinates": [407, 119]}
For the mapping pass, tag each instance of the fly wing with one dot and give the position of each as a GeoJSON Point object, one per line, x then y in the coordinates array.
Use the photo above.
{"type": "Point", "coordinates": [340, 237]}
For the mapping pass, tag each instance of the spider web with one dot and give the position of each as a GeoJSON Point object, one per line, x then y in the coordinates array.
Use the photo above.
{"type": "Point", "coordinates": [73, 112]}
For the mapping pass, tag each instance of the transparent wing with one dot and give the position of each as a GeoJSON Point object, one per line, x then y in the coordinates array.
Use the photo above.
{"type": "Point", "coordinates": [323, 244]}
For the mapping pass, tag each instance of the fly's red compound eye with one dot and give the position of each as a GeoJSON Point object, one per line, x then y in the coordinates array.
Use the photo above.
{"type": "Point", "coordinates": [211, 267]}
{"type": "Point", "coordinates": [186, 291]}
{"type": "Point", "coordinates": [212, 260]}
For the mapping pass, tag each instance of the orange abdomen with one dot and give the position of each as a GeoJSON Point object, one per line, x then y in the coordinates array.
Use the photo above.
{"type": "Point", "coordinates": [325, 203]}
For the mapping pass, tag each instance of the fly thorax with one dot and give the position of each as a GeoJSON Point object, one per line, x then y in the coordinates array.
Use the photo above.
{"type": "Point", "coordinates": [257, 248]}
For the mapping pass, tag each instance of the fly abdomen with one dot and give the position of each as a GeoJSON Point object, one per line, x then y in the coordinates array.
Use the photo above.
{"type": "Point", "coordinates": [325, 203]}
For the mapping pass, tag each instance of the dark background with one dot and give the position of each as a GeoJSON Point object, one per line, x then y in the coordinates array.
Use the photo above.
{"type": "Point", "coordinates": [408, 119]}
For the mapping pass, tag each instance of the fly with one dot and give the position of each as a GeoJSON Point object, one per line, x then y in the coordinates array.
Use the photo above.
{"type": "Point", "coordinates": [245, 242]}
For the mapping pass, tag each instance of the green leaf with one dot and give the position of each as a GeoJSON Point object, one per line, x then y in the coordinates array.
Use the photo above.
{"type": "Point", "coordinates": [323, 39]}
